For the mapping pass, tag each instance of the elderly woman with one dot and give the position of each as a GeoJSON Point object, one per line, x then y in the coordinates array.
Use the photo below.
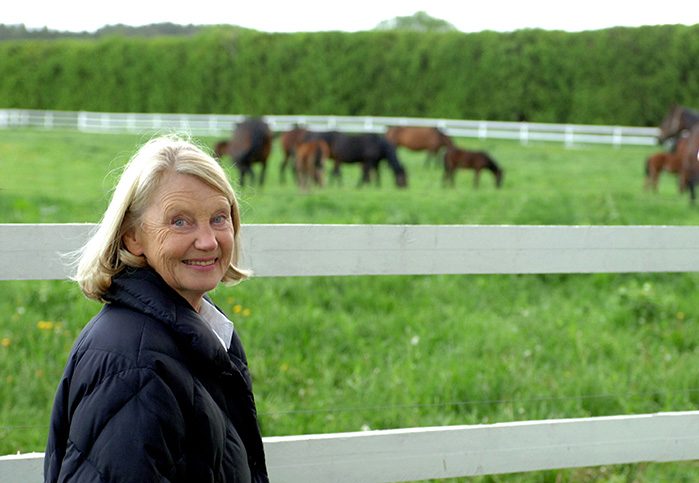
{"type": "Point", "coordinates": [156, 387]}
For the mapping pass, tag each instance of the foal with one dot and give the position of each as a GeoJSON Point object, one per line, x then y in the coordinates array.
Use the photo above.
{"type": "Point", "coordinates": [477, 160]}
{"type": "Point", "coordinates": [310, 157]}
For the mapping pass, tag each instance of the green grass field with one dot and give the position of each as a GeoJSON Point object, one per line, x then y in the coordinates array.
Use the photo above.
{"type": "Point", "coordinates": [349, 353]}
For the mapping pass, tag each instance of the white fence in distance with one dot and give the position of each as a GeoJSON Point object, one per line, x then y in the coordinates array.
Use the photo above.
{"type": "Point", "coordinates": [222, 125]}
{"type": "Point", "coordinates": [32, 252]}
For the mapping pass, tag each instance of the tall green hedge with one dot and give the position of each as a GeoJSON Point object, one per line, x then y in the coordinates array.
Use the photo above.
{"type": "Point", "coordinates": [626, 76]}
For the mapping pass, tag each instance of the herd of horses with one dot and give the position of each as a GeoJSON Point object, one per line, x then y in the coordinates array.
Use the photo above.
{"type": "Point", "coordinates": [680, 131]}
{"type": "Point", "coordinates": [306, 153]}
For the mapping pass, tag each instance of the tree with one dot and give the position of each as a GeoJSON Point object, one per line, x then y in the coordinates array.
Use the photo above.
{"type": "Point", "coordinates": [418, 22]}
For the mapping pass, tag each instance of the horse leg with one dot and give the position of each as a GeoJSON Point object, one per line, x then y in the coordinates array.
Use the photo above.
{"type": "Point", "coordinates": [282, 168]}
{"type": "Point", "coordinates": [263, 171]}
{"type": "Point", "coordinates": [476, 178]}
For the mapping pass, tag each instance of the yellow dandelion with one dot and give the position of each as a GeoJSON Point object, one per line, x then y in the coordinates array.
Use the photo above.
{"type": "Point", "coordinates": [246, 312]}
{"type": "Point", "coordinates": [284, 367]}
{"type": "Point", "coordinates": [39, 373]}
{"type": "Point", "coordinates": [237, 308]}
{"type": "Point", "coordinates": [680, 315]}
{"type": "Point", "coordinates": [5, 342]}
{"type": "Point", "coordinates": [45, 325]}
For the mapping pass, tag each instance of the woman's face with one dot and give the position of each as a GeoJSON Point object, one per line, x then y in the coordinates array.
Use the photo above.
{"type": "Point", "coordinates": [186, 235]}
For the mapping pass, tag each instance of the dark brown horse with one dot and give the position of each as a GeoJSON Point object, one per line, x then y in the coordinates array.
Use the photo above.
{"type": "Point", "coordinates": [417, 138]}
{"type": "Point", "coordinates": [289, 140]}
{"type": "Point", "coordinates": [456, 158]}
{"type": "Point", "coordinates": [677, 120]}
{"type": "Point", "coordinates": [690, 162]}
{"type": "Point", "coordinates": [250, 143]}
{"type": "Point", "coordinates": [368, 150]}
{"type": "Point", "coordinates": [681, 121]}
{"type": "Point", "coordinates": [221, 149]}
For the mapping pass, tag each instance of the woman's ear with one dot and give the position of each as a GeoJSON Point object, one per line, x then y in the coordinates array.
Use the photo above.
{"type": "Point", "coordinates": [132, 242]}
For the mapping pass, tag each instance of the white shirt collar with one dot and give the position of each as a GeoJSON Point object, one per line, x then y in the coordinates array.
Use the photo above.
{"type": "Point", "coordinates": [220, 325]}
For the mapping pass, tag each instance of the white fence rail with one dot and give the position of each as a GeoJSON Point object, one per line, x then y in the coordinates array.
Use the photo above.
{"type": "Point", "coordinates": [221, 125]}
{"type": "Point", "coordinates": [32, 252]}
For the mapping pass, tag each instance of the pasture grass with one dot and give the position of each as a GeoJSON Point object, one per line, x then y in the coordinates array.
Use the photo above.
{"type": "Point", "coordinates": [332, 354]}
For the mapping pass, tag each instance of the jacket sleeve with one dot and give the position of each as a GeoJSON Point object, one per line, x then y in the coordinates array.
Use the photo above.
{"type": "Point", "coordinates": [127, 428]}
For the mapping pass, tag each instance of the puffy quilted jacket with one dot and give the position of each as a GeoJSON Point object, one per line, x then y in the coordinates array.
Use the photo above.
{"type": "Point", "coordinates": [149, 394]}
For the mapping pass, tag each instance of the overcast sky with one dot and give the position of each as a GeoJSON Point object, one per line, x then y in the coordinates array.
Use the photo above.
{"type": "Point", "coordinates": [350, 15]}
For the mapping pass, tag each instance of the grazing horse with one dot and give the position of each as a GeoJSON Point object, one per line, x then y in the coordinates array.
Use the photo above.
{"type": "Point", "coordinates": [221, 148]}
{"type": "Point", "coordinates": [681, 121]}
{"type": "Point", "coordinates": [369, 150]}
{"type": "Point", "coordinates": [418, 138]}
{"type": "Point", "coordinates": [690, 162]}
{"type": "Point", "coordinates": [677, 120]}
{"type": "Point", "coordinates": [250, 143]}
{"type": "Point", "coordinates": [477, 160]}
{"type": "Point", "coordinates": [665, 161]}
{"type": "Point", "coordinates": [289, 140]}
{"type": "Point", "coordinates": [309, 158]}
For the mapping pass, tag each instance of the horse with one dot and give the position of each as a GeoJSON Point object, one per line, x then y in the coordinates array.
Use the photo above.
{"type": "Point", "coordinates": [477, 160]}
{"type": "Point", "coordinates": [665, 161]}
{"type": "Point", "coordinates": [309, 158]}
{"type": "Point", "coordinates": [418, 138]}
{"type": "Point", "coordinates": [251, 142]}
{"type": "Point", "coordinates": [677, 120]}
{"type": "Point", "coordinates": [690, 162]}
{"type": "Point", "coordinates": [369, 149]}
{"type": "Point", "coordinates": [682, 121]}
{"type": "Point", "coordinates": [221, 148]}
{"type": "Point", "coordinates": [289, 140]}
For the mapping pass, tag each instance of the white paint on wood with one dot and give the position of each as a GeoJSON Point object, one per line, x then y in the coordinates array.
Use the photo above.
{"type": "Point", "coordinates": [33, 251]}
{"type": "Point", "coordinates": [452, 451]}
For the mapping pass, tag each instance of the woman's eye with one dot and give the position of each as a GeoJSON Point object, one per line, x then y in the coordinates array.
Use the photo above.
{"type": "Point", "coordinates": [219, 219]}
{"type": "Point", "coordinates": [179, 222]}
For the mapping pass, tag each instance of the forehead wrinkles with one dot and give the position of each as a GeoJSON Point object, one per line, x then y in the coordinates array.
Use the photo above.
{"type": "Point", "coordinates": [193, 201]}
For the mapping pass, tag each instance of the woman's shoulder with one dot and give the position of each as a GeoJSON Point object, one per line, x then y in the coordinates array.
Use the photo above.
{"type": "Point", "coordinates": [121, 332]}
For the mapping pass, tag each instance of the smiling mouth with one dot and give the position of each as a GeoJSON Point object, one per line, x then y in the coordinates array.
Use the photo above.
{"type": "Point", "coordinates": [200, 263]}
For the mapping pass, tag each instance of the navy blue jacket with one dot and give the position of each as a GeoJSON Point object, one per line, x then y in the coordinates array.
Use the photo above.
{"type": "Point", "coordinates": [150, 394]}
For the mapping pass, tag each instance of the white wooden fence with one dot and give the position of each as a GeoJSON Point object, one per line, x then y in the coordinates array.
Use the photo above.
{"type": "Point", "coordinates": [32, 252]}
{"type": "Point", "coordinates": [221, 125]}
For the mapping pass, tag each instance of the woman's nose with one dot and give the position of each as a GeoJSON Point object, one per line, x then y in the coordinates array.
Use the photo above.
{"type": "Point", "coordinates": [205, 238]}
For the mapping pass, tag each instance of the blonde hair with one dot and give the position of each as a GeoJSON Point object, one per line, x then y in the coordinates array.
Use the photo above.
{"type": "Point", "coordinates": [105, 255]}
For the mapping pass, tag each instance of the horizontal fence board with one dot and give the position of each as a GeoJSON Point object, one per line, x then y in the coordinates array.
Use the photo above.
{"type": "Point", "coordinates": [34, 251]}
{"type": "Point", "coordinates": [452, 451]}
{"type": "Point", "coordinates": [222, 125]}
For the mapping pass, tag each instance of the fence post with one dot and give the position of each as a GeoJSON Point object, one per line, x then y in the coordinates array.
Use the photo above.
{"type": "Point", "coordinates": [570, 136]}
{"type": "Point", "coordinates": [524, 133]}
{"type": "Point", "coordinates": [617, 137]}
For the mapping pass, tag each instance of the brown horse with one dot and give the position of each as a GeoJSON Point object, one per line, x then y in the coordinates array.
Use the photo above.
{"type": "Point", "coordinates": [681, 121]}
{"type": "Point", "coordinates": [677, 120]}
{"type": "Point", "coordinates": [456, 158]}
{"type": "Point", "coordinates": [289, 140]}
{"type": "Point", "coordinates": [418, 138]}
{"type": "Point", "coordinates": [666, 161]}
{"type": "Point", "coordinates": [690, 162]}
{"type": "Point", "coordinates": [250, 143]}
{"type": "Point", "coordinates": [309, 160]}
{"type": "Point", "coordinates": [221, 149]}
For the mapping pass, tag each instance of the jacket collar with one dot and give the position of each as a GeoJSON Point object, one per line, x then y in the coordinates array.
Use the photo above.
{"type": "Point", "coordinates": [143, 290]}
